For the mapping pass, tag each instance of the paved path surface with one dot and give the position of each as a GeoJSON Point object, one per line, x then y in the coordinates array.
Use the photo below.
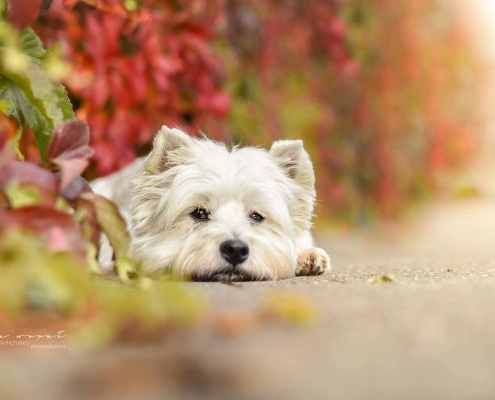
{"type": "Point", "coordinates": [429, 334]}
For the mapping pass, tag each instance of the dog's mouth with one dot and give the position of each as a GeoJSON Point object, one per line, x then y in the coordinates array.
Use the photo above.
{"type": "Point", "coordinates": [226, 274]}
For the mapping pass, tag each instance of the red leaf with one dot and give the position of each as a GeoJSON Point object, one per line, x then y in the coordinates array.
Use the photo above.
{"type": "Point", "coordinates": [4, 138]}
{"type": "Point", "coordinates": [168, 65]}
{"type": "Point", "coordinates": [41, 220]}
{"type": "Point", "coordinates": [70, 169]}
{"type": "Point", "coordinates": [105, 156]}
{"type": "Point", "coordinates": [68, 136]}
{"type": "Point", "coordinates": [26, 173]}
{"type": "Point", "coordinates": [69, 150]}
{"type": "Point", "coordinates": [22, 13]}
{"type": "Point", "coordinates": [6, 154]}
{"type": "Point", "coordinates": [221, 104]}
{"type": "Point", "coordinates": [69, 3]}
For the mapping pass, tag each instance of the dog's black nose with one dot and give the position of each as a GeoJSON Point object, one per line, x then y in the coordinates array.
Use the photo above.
{"type": "Point", "coordinates": [234, 251]}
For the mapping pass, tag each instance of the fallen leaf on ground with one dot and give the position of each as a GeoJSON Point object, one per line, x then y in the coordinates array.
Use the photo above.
{"type": "Point", "coordinates": [379, 279]}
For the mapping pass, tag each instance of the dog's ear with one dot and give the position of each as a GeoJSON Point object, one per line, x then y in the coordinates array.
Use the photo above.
{"type": "Point", "coordinates": [166, 140]}
{"type": "Point", "coordinates": [294, 160]}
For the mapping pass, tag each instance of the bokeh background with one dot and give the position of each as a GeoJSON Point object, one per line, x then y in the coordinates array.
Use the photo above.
{"type": "Point", "coordinates": [389, 96]}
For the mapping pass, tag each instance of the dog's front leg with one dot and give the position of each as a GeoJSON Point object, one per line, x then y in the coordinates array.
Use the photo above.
{"type": "Point", "coordinates": [312, 261]}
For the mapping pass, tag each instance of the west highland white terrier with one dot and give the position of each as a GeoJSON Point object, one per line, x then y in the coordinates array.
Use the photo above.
{"type": "Point", "coordinates": [199, 209]}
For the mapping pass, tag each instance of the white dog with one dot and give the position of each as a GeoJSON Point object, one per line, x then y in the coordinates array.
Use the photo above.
{"type": "Point", "coordinates": [199, 209]}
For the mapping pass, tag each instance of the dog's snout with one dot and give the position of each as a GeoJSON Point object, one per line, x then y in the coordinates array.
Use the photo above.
{"type": "Point", "coordinates": [234, 251]}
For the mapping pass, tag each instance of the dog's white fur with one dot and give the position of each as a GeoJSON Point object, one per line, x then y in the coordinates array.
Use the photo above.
{"type": "Point", "coordinates": [183, 173]}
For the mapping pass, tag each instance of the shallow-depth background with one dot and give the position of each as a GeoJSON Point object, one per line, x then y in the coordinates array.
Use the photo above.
{"type": "Point", "coordinates": [388, 96]}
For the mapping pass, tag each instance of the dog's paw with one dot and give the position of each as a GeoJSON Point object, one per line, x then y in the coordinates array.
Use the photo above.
{"type": "Point", "coordinates": [313, 261]}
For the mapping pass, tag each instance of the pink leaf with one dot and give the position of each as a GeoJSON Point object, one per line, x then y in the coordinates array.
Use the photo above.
{"type": "Point", "coordinates": [68, 136]}
{"type": "Point", "coordinates": [57, 240]}
{"type": "Point", "coordinates": [69, 151]}
{"type": "Point", "coordinates": [41, 220]}
{"type": "Point", "coordinates": [70, 169]}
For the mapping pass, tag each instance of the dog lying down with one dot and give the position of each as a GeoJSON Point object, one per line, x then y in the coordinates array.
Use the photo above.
{"type": "Point", "coordinates": [198, 209]}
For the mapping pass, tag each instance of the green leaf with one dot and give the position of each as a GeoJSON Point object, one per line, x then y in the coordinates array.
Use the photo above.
{"type": "Point", "coordinates": [33, 47]}
{"type": "Point", "coordinates": [4, 106]}
{"type": "Point", "coordinates": [64, 103]}
{"type": "Point", "coordinates": [31, 44]}
{"type": "Point", "coordinates": [131, 5]}
{"type": "Point", "coordinates": [34, 98]}
{"type": "Point", "coordinates": [22, 196]}
{"type": "Point", "coordinates": [27, 112]}
{"type": "Point", "coordinates": [125, 268]}
{"type": "Point", "coordinates": [114, 226]}
{"type": "Point", "coordinates": [40, 89]}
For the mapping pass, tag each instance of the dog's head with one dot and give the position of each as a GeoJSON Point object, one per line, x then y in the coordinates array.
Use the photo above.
{"type": "Point", "coordinates": [204, 211]}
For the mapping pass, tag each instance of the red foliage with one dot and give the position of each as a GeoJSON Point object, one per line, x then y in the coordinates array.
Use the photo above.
{"type": "Point", "coordinates": [135, 70]}
{"type": "Point", "coordinates": [369, 85]}
{"type": "Point", "coordinates": [372, 87]}
{"type": "Point", "coordinates": [58, 229]}
{"type": "Point", "coordinates": [69, 153]}
{"type": "Point", "coordinates": [22, 13]}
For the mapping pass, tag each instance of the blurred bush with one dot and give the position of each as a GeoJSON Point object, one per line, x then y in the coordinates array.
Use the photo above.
{"type": "Point", "coordinates": [42, 289]}
{"type": "Point", "coordinates": [382, 92]}
{"type": "Point", "coordinates": [50, 221]}
{"type": "Point", "coordinates": [136, 65]}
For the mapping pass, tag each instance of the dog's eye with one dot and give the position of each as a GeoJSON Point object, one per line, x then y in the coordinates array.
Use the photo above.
{"type": "Point", "coordinates": [256, 217]}
{"type": "Point", "coordinates": [200, 214]}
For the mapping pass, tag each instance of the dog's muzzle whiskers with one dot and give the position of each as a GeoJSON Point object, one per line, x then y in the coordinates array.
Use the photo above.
{"type": "Point", "coordinates": [226, 275]}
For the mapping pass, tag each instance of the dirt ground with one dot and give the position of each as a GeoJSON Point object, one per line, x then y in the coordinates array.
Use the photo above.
{"type": "Point", "coordinates": [429, 333]}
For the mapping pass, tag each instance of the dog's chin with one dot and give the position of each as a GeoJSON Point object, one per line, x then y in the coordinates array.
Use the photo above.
{"type": "Point", "coordinates": [226, 274]}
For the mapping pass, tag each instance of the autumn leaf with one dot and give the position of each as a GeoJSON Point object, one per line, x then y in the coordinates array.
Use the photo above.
{"type": "Point", "coordinates": [27, 173]}
{"type": "Point", "coordinates": [69, 137]}
{"type": "Point", "coordinates": [23, 175]}
{"type": "Point", "coordinates": [69, 150]}
{"type": "Point", "coordinates": [22, 13]}
{"type": "Point", "coordinates": [380, 279]}
{"type": "Point", "coordinates": [41, 220]}
{"type": "Point", "coordinates": [30, 95]}
{"type": "Point", "coordinates": [114, 227]}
